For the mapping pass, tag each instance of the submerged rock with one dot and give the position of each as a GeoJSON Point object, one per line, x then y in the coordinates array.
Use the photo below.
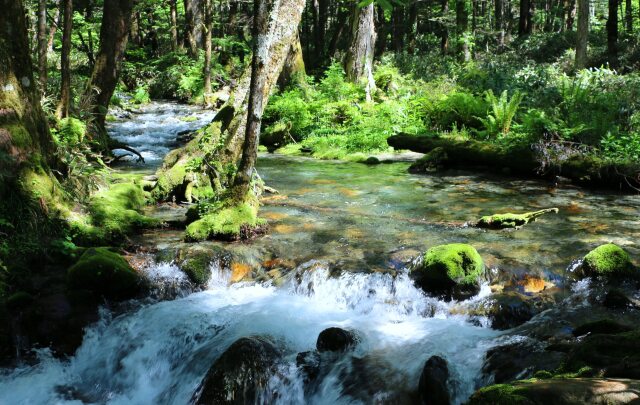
{"type": "Point", "coordinates": [509, 220]}
{"type": "Point", "coordinates": [336, 340]}
{"type": "Point", "coordinates": [616, 299]}
{"type": "Point", "coordinates": [104, 272]}
{"type": "Point", "coordinates": [309, 365]}
{"type": "Point", "coordinates": [196, 262]}
{"type": "Point", "coordinates": [510, 309]}
{"type": "Point", "coordinates": [560, 392]}
{"type": "Point", "coordinates": [239, 375]}
{"type": "Point", "coordinates": [453, 270]}
{"type": "Point", "coordinates": [604, 326]}
{"type": "Point", "coordinates": [607, 260]}
{"type": "Point", "coordinates": [433, 382]}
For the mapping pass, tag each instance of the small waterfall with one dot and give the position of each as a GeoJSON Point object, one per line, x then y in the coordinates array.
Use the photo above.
{"type": "Point", "coordinates": [160, 352]}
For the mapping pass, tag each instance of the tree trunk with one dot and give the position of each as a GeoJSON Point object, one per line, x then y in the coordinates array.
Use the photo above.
{"type": "Point", "coordinates": [114, 32]}
{"type": "Point", "coordinates": [193, 26]}
{"type": "Point", "coordinates": [582, 34]}
{"type": "Point", "coordinates": [53, 28]}
{"type": "Point", "coordinates": [499, 21]}
{"type": "Point", "coordinates": [462, 24]}
{"type": "Point", "coordinates": [526, 17]}
{"type": "Point", "coordinates": [255, 107]}
{"type": "Point", "coordinates": [232, 117]}
{"type": "Point", "coordinates": [293, 70]}
{"type": "Point", "coordinates": [412, 32]}
{"type": "Point", "coordinates": [173, 13]}
{"type": "Point", "coordinates": [42, 46]}
{"type": "Point", "coordinates": [359, 59]}
{"type": "Point", "coordinates": [628, 12]}
{"type": "Point", "coordinates": [208, 16]}
{"type": "Point", "coordinates": [444, 34]}
{"type": "Point", "coordinates": [570, 11]}
{"type": "Point", "coordinates": [612, 33]}
{"type": "Point", "coordinates": [397, 34]}
{"type": "Point", "coordinates": [65, 70]}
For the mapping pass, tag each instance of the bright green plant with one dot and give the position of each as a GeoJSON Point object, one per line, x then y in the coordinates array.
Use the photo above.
{"type": "Point", "coordinates": [503, 111]}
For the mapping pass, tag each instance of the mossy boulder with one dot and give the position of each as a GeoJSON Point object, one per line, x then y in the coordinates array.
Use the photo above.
{"type": "Point", "coordinates": [195, 261]}
{"type": "Point", "coordinates": [607, 260]}
{"type": "Point", "coordinates": [509, 309]}
{"type": "Point", "coordinates": [559, 391]}
{"type": "Point", "coordinates": [509, 220]}
{"type": "Point", "coordinates": [233, 222]}
{"type": "Point", "coordinates": [453, 270]}
{"type": "Point", "coordinates": [106, 273]}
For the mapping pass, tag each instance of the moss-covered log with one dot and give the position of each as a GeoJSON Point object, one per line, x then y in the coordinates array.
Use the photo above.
{"type": "Point", "coordinates": [509, 220]}
{"type": "Point", "coordinates": [587, 170]}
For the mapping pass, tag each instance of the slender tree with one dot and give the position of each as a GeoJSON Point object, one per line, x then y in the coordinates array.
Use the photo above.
{"type": "Point", "coordinates": [173, 15]}
{"type": "Point", "coordinates": [612, 33]}
{"type": "Point", "coordinates": [255, 107]}
{"type": "Point", "coordinates": [582, 34]}
{"type": "Point", "coordinates": [359, 59]}
{"type": "Point", "coordinates": [65, 69]}
{"type": "Point", "coordinates": [628, 12]}
{"type": "Point", "coordinates": [42, 45]}
{"type": "Point", "coordinates": [208, 26]}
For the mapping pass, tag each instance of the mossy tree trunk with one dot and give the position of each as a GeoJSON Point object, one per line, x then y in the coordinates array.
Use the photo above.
{"type": "Point", "coordinates": [242, 181]}
{"type": "Point", "coordinates": [28, 190]}
{"type": "Point", "coordinates": [65, 70]}
{"type": "Point", "coordinates": [359, 58]}
{"type": "Point", "coordinates": [193, 26]}
{"type": "Point", "coordinates": [173, 13]}
{"type": "Point", "coordinates": [222, 148]}
{"type": "Point", "coordinates": [612, 33]}
{"type": "Point", "coordinates": [208, 19]}
{"type": "Point", "coordinates": [114, 33]}
{"type": "Point", "coordinates": [294, 70]}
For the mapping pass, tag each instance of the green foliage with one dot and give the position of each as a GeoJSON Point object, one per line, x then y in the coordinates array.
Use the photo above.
{"type": "Point", "coordinates": [141, 96]}
{"type": "Point", "coordinates": [503, 110]}
{"type": "Point", "coordinates": [333, 118]}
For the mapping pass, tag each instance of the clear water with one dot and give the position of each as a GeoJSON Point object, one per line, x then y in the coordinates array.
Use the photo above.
{"type": "Point", "coordinates": [347, 231]}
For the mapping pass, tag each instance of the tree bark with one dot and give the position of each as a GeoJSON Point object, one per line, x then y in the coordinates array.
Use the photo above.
{"type": "Point", "coordinates": [499, 20]}
{"type": "Point", "coordinates": [208, 16]}
{"type": "Point", "coordinates": [42, 46]}
{"type": "Point", "coordinates": [444, 34]}
{"type": "Point", "coordinates": [53, 27]}
{"type": "Point", "coordinates": [114, 33]}
{"type": "Point", "coordinates": [462, 25]}
{"type": "Point", "coordinates": [255, 108]}
{"type": "Point", "coordinates": [193, 26]}
{"type": "Point", "coordinates": [628, 12]}
{"type": "Point", "coordinates": [65, 70]}
{"type": "Point", "coordinates": [612, 33]}
{"type": "Point", "coordinates": [582, 34]}
{"type": "Point", "coordinates": [359, 58]}
{"type": "Point", "coordinates": [293, 70]}
{"type": "Point", "coordinates": [570, 12]}
{"type": "Point", "coordinates": [526, 17]}
{"type": "Point", "coordinates": [173, 15]}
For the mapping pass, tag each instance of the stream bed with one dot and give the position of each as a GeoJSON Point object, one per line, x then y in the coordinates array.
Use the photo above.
{"type": "Point", "coordinates": [343, 235]}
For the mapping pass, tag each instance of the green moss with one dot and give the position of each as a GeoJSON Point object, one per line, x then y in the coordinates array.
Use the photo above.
{"type": "Point", "coordinates": [70, 131]}
{"type": "Point", "coordinates": [19, 300]}
{"type": "Point", "coordinates": [509, 220]}
{"type": "Point", "coordinates": [106, 273]}
{"type": "Point", "coordinates": [226, 222]}
{"type": "Point", "coordinates": [608, 260]}
{"type": "Point", "coordinates": [113, 213]}
{"type": "Point", "coordinates": [447, 266]}
{"type": "Point", "coordinates": [498, 394]}
{"type": "Point", "coordinates": [431, 161]}
{"type": "Point", "coordinates": [196, 266]}
{"type": "Point", "coordinates": [20, 137]}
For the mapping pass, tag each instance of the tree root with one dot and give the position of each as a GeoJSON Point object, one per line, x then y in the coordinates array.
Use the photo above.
{"type": "Point", "coordinates": [119, 145]}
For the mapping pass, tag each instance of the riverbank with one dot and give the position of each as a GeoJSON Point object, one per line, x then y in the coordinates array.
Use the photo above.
{"type": "Point", "coordinates": [582, 168]}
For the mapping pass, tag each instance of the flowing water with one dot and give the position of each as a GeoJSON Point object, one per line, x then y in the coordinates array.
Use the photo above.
{"type": "Point", "coordinates": [343, 233]}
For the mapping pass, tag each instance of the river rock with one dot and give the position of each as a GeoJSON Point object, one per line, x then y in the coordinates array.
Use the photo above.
{"type": "Point", "coordinates": [510, 309]}
{"type": "Point", "coordinates": [560, 392]}
{"type": "Point", "coordinates": [607, 260]}
{"type": "Point", "coordinates": [616, 299]}
{"type": "Point", "coordinates": [106, 273]}
{"type": "Point", "coordinates": [336, 340]}
{"type": "Point", "coordinates": [238, 376]}
{"type": "Point", "coordinates": [433, 382]}
{"type": "Point", "coordinates": [453, 270]}
{"type": "Point", "coordinates": [519, 360]}
{"type": "Point", "coordinates": [309, 365]}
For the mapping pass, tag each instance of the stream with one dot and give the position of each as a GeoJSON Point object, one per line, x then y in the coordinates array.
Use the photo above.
{"type": "Point", "coordinates": [343, 235]}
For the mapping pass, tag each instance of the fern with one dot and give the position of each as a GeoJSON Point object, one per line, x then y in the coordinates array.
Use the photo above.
{"type": "Point", "coordinates": [503, 111]}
